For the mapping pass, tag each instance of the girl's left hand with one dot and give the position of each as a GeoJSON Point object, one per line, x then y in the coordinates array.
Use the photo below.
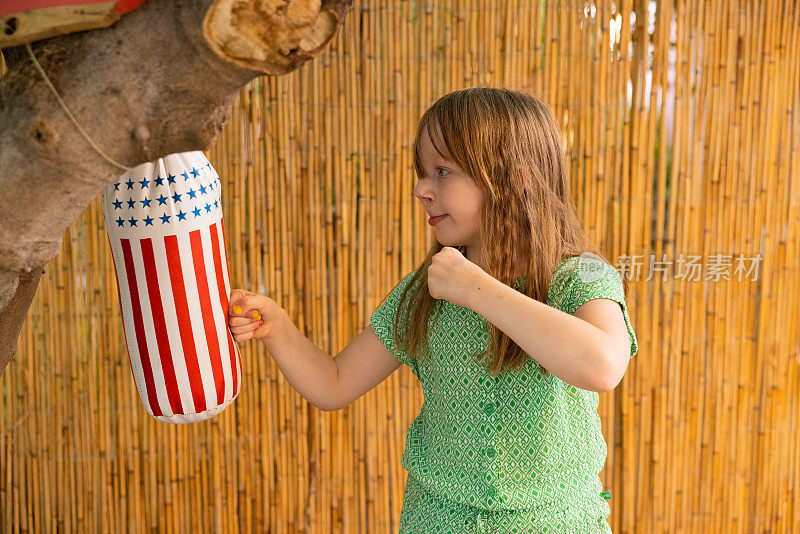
{"type": "Point", "coordinates": [453, 277]}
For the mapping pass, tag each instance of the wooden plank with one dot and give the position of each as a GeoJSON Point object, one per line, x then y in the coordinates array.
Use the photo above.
{"type": "Point", "coordinates": [36, 24]}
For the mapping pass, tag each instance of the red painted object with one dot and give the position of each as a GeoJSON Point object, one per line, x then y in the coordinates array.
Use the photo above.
{"type": "Point", "coordinates": [26, 21]}
{"type": "Point", "coordinates": [9, 7]}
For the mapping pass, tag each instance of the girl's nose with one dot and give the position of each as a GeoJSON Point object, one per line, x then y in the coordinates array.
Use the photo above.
{"type": "Point", "coordinates": [426, 201]}
{"type": "Point", "coordinates": [423, 193]}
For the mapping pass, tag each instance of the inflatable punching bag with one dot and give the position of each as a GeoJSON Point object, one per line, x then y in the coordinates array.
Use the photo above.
{"type": "Point", "coordinates": [164, 223]}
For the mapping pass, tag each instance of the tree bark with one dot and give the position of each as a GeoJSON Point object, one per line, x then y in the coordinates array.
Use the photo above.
{"type": "Point", "coordinates": [160, 81]}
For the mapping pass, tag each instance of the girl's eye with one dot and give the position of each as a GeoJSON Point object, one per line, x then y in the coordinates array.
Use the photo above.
{"type": "Point", "coordinates": [441, 171]}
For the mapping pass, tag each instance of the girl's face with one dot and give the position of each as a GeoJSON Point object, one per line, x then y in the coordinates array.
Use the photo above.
{"type": "Point", "coordinates": [446, 189]}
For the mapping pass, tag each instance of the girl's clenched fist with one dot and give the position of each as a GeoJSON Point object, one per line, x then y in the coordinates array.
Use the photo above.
{"type": "Point", "coordinates": [253, 316]}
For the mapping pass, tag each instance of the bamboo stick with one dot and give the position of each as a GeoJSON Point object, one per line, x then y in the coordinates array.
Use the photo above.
{"type": "Point", "coordinates": [319, 215]}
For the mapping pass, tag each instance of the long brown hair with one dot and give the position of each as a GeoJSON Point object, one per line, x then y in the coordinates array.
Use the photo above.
{"type": "Point", "coordinates": [511, 146]}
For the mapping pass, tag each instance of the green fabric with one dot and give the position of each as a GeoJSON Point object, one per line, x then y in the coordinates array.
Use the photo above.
{"type": "Point", "coordinates": [426, 513]}
{"type": "Point", "coordinates": [520, 440]}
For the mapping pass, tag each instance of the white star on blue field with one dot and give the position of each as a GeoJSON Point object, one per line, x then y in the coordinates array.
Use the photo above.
{"type": "Point", "coordinates": [169, 198]}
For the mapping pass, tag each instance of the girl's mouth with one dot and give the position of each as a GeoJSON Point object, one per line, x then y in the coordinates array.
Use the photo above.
{"type": "Point", "coordinates": [433, 221]}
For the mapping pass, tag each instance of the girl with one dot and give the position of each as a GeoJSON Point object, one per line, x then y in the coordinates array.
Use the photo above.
{"type": "Point", "coordinates": [510, 329]}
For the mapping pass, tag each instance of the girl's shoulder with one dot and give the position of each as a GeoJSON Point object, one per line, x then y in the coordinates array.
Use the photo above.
{"type": "Point", "coordinates": [586, 267]}
{"type": "Point", "coordinates": [563, 271]}
{"type": "Point", "coordinates": [392, 299]}
{"type": "Point", "coordinates": [581, 274]}
{"type": "Point", "coordinates": [405, 281]}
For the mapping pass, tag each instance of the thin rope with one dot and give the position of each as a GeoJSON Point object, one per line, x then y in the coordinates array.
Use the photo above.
{"type": "Point", "coordinates": [66, 110]}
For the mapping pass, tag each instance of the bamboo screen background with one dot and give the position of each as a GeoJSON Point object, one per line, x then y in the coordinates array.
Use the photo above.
{"type": "Point", "coordinates": [319, 212]}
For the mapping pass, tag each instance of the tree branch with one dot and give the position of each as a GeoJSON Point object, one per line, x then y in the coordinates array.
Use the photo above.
{"type": "Point", "coordinates": [160, 81]}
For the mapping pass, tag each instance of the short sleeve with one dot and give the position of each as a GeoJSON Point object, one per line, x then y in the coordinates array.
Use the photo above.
{"type": "Point", "coordinates": [382, 322]}
{"type": "Point", "coordinates": [576, 282]}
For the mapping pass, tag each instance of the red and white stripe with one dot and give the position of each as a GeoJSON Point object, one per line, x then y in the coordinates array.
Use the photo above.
{"type": "Point", "coordinates": [173, 292]}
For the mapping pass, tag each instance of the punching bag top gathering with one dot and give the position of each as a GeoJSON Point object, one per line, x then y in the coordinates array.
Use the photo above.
{"type": "Point", "coordinates": [164, 223]}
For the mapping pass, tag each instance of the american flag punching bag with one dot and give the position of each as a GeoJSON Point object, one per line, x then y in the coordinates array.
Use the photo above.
{"type": "Point", "coordinates": [164, 223]}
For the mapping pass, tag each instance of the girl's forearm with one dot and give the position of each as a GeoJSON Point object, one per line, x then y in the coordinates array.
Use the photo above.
{"type": "Point", "coordinates": [308, 369]}
{"type": "Point", "coordinates": [569, 347]}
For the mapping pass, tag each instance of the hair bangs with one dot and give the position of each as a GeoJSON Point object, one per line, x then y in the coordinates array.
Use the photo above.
{"type": "Point", "coordinates": [438, 122]}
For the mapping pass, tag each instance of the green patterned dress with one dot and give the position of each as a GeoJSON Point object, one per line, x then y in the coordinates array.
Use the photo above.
{"type": "Point", "coordinates": [516, 453]}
